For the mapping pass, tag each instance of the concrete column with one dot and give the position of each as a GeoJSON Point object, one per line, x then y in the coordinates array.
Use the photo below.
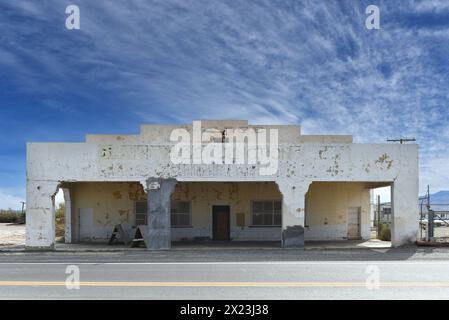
{"type": "Point", "coordinates": [159, 220]}
{"type": "Point", "coordinates": [68, 216]}
{"type": "Point", "coordinates": [40, 214]}
{"type": "Point", "coordinates": [293, 212]}
{"type": "Point", "coordinates": [405, 211]}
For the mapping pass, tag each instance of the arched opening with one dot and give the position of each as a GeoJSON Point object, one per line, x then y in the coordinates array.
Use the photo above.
{"type": "Point", "coordinates": [60, 216]}
{"type": "Point", "coordinates": [345, 213]}
{"type": "Point", "coordinates": [88, 212]}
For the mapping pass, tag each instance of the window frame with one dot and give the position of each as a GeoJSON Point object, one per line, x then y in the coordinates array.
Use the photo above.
{"type": "Point", "coordinates": [145, 214]}
{"type": "Point", "coordinates": [272, 214]}
{"type": "Point", "coordinates": [189, 225]}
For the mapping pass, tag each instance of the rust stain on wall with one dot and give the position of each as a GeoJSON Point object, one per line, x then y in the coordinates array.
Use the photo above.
{"type": "Point", "coordinates": [124, 216]}
{"type": "Point", "coordinates": [136, 192]}
{"type": "Point", "coordinates": [384, 161]}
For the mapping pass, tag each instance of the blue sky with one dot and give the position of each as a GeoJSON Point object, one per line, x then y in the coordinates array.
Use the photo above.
{"type": "Point", "coordinates": [305, 62]}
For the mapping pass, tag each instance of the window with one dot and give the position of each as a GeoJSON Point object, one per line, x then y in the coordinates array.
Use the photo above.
{"type": "Point", "coordinates": [180, 213]}
{"type": "Point", "coordinates": [141, 212]}
{"type": "Point", "coordinates": [266, 213]}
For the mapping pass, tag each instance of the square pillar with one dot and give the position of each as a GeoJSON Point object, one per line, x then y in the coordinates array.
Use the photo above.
{"type": "Point", "coordinates": [158, 216]}
{"type": "Point", "coordinates": [405, 212]}
{"type": "Point", "coordinates": [293, 212]}
{"type": "Point", "coordinates": [40, 215]}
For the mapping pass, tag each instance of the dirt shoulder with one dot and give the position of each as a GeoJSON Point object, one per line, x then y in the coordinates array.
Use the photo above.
{"type": "Point", "coordinates": [12, 234]}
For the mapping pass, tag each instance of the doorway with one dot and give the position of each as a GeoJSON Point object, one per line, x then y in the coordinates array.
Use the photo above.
{"type": "Point", "coordinates": [85, 222]}
{"type": "Point", "coordinates": [221, 222]}
{"type": "Point", "coordinates": [354, 218]}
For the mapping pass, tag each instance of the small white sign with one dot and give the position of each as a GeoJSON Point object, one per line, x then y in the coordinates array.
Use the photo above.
{"type": "Point", "coordinates": [154, 185]}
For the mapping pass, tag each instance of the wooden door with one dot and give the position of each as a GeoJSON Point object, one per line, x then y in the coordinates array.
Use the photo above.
{"type": "Point", "coordinates": [221, 222]}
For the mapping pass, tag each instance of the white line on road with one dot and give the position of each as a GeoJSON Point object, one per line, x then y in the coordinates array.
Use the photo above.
{"type": "Point", "coordinates": [397, 284]}
{"type": "Point", "coordinates": [239, 263]}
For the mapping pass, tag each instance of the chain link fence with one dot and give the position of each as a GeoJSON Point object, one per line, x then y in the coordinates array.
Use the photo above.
{"type": "Point", "coordinates": [434, 222]}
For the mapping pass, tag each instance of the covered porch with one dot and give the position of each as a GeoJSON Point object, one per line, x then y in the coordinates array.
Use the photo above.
{"type": "Point", "coordinates": [209, 214]}
{"type": "Point", "coordinates": [199, 212]}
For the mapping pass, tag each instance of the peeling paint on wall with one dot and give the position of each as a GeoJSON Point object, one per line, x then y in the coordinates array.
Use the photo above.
{"type": "Point", "coordinates": [384, 162]}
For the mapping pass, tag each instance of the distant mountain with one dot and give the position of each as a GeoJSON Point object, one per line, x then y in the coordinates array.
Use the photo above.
{"type": "Point", "coordinates": [436, 201]}
{"type": "Point", "coordinates": [441, 197]}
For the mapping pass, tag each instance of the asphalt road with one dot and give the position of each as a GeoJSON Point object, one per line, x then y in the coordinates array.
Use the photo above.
{"type": "Point", "coordinates": [228, 274]}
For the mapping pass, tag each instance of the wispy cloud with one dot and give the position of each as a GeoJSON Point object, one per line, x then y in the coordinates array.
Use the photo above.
{"type": "Point", "coordinates": [431, 6]}
{"type": "Point", "coordinates": [9, 199]}
{"type": "Point", "coordinates": [307, 62]}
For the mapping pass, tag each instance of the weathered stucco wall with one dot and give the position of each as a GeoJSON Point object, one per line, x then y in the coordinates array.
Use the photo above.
{"type": "Point", "coordinates": [140, 159]}
{"type": "Point", "coordinates": [114, 203]}
{"type": "Point", "coordinates": [238, 196]}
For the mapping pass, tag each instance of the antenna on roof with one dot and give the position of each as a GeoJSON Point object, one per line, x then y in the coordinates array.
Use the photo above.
{"type": "Point", "coordinates": [402, 140]}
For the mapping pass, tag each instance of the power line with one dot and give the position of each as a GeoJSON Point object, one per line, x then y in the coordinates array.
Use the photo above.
{"type": "Point", "coordinates": [402, 140]}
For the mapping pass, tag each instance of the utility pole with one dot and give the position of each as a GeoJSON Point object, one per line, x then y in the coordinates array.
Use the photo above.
{"type": "Point", "coordinates": [22, 216]}
{"type": "Point", "coordinates": [402, 140]}
{"type": "Point", "coordinates": [378, 216]}
{"type": "Point", "coordinates": [430, 218]}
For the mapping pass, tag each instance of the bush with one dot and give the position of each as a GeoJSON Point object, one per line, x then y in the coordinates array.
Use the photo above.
{"type": "Point", "coordinates": [11, 216]}
{"type": "Point", "coordinates": [385, 232]}
{"type": "Point", "coordinates": [8, 217]}
{"type": "Point", "coordinates": [21, 218]}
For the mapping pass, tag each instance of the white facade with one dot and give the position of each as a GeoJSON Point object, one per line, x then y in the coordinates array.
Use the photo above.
{"type": "Point", "coordinates": [145, 159]}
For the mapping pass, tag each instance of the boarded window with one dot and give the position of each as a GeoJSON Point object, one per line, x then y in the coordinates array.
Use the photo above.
{"type": "Point", "coordinates": [141, 212]}
{"type": "Point", "coordinates": [267, 213]}
{"type": "Point", "coordinates": [180, 213]}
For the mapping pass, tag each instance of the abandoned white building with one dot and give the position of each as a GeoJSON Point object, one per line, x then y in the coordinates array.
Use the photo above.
{"type": "Point", "coordinates": [313, 188]}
